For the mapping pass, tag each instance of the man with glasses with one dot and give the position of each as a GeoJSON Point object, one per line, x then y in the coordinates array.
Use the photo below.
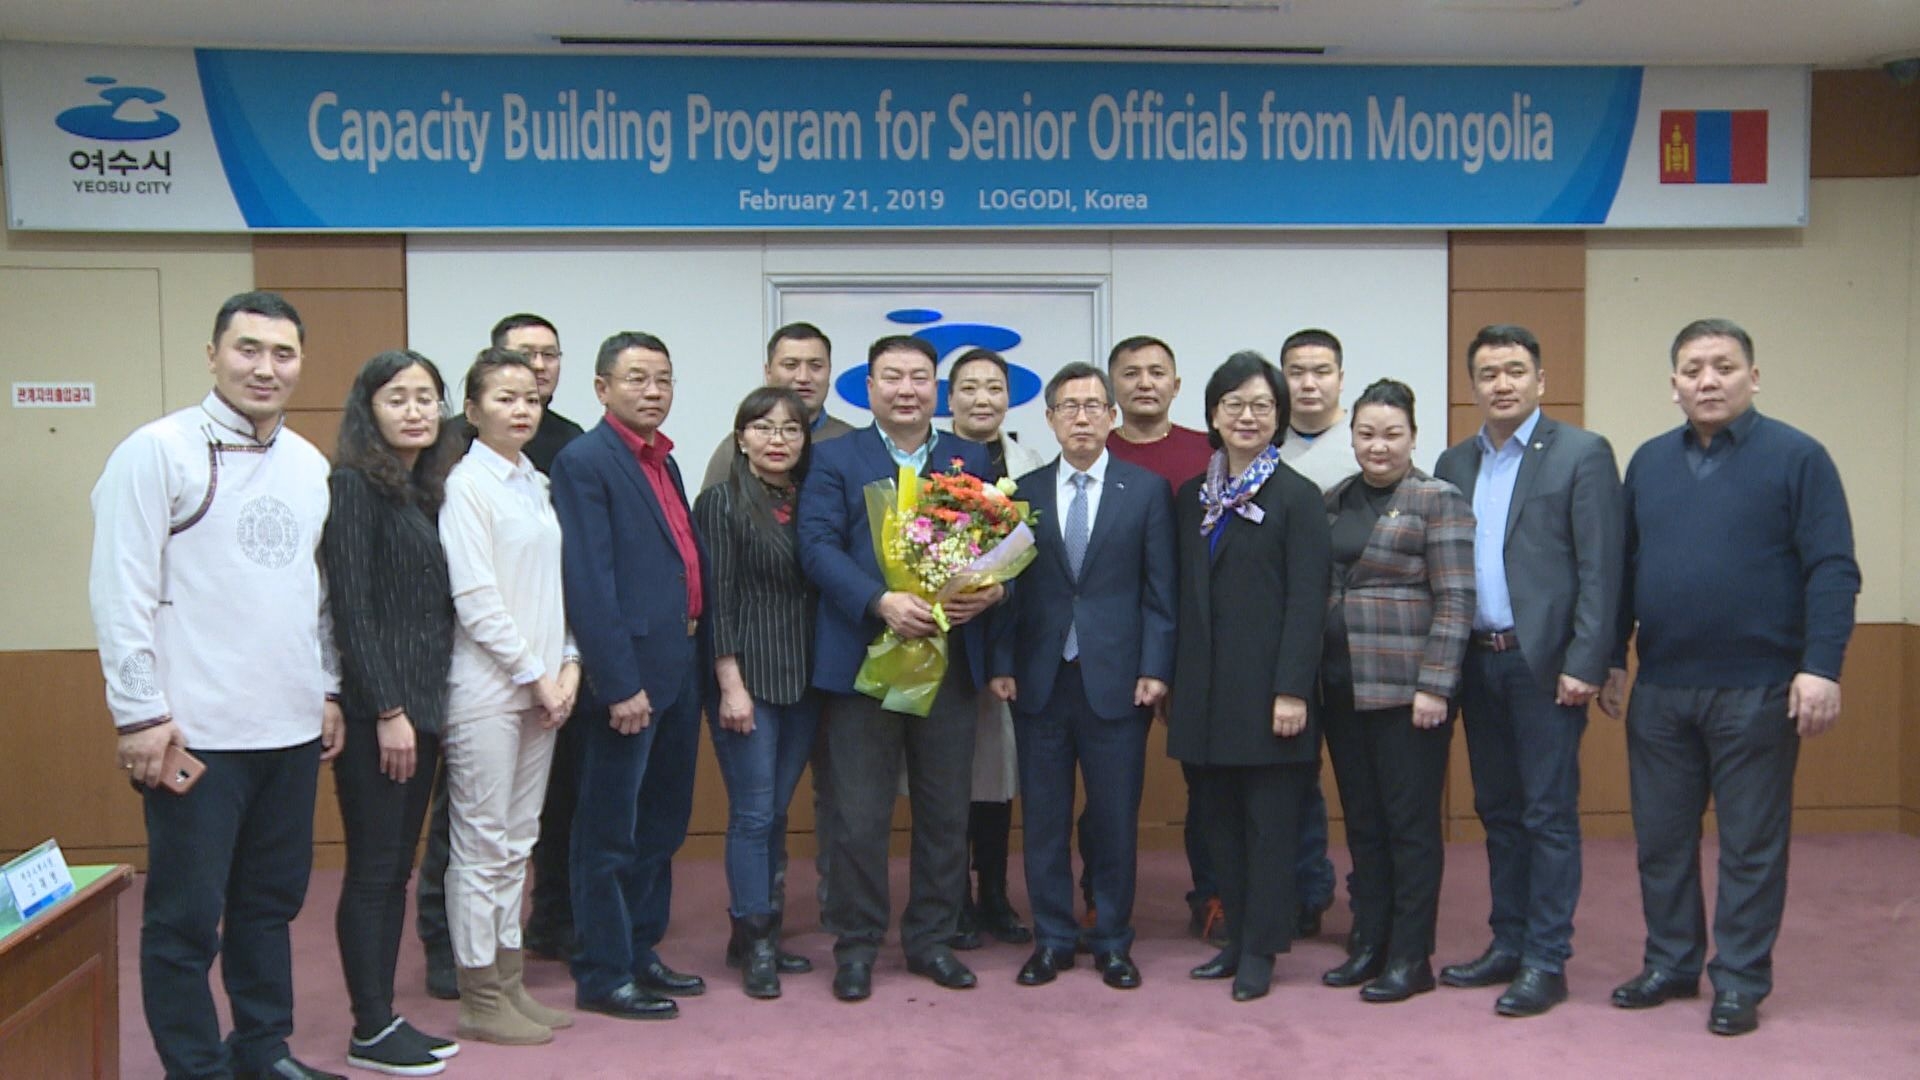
{"type": "Point", "coordinates": [549, 934]}
{"type": "Point", "coordinates": [1089, 657]}
{"type": "Point", "coordinates": [867, 740]}
{"type": "Point", "coordinates": [632, 573]}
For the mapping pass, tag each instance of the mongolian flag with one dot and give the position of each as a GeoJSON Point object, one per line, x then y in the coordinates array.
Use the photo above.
{"type": "Point", "coordinates": [1713, 146]}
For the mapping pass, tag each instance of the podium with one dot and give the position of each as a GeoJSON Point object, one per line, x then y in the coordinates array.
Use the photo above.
{"type": "Point", "coordinates": [60, 983]}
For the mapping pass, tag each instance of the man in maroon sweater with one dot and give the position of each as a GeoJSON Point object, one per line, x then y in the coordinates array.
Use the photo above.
{"type": "Point", "coordinates": [1145, 382]}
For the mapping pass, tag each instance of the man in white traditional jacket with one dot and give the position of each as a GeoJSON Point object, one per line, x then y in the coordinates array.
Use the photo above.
{"type": "Point", "coordinates": [208, 606]}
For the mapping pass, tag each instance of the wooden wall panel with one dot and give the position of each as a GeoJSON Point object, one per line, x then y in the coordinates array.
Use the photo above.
{"type": "Point", "coordinates": [345, 327]}
{"type": "Point", "coordinates": [330, 261]}
{"type": "Point", "coordinates": [1910, 730]}
{"type": "Point", "coordinates": [1505, 260]}
{"type": "Point", "coordinates": [1864, 124]}
{"type": "Point", "coordinates": [321, 427]}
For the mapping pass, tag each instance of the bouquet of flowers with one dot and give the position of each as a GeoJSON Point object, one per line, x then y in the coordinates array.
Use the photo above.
{"type": "Point", "coordinates": [936, 538]}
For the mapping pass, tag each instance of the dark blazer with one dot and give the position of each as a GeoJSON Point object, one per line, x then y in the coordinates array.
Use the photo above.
{"type": "Point", "coordinates": [625, 585]}
{"type": "Point", "coordinates": [1251, 619]}
{"type": "Point", "coordinates": [1565, 544]}
{"type": "Point", "coordinates": [392, 607]}
{"type": "Point", "coordinates": [836, 550]}
{"type": "Point", "coordinates": [1409, 598]}
{"type": "Point", "coordinates": [1123, 601]}
{"type": "Point", "coordinates": [761, 605]}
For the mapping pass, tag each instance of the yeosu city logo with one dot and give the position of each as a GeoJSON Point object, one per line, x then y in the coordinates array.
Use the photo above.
{"type": "Point", "coordinates": [128, 114]}
{"type": "Point", "coordinates": [949, 340]}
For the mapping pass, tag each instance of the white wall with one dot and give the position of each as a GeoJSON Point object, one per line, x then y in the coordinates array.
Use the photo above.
{"type": "Point", "coordinates": [1207, 294]}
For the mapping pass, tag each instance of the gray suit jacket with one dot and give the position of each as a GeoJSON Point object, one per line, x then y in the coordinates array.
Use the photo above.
{"type": "Point", "coordinates": [1564, 547]}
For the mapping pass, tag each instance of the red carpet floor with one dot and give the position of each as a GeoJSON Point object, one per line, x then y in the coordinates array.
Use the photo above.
{"type": "Point", "coordinates": [1847, 989]}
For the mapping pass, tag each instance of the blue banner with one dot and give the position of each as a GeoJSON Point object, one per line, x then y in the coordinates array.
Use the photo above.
{"type": "Point", "coordinates": [390, 142]}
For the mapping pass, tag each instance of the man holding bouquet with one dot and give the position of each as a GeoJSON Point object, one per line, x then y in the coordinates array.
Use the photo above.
{"type": "Point", "coordinates": [866, 740]}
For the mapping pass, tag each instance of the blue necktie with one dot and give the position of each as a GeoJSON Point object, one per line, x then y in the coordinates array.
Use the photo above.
{"type": "Point", "coordinates": [1076, 549]}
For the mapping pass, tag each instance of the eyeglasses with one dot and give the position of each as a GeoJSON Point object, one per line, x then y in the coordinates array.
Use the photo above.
{"type": "Point", "coordinates": [1258, 408]}
{"type": "Point", "coordinates": [1071, 409]}
{"type": "Point", "coordinates": [767, 429]}
{"type": "Point", "coordinates": [551, 356]}
{"type": "Point", "coordinates": [640, 380]}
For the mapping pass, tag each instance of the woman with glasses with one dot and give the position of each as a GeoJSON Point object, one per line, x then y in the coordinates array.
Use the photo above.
{"type": "Point", "coordinates": [515, 675]}
{"type": "Point", "coordinates": [761, 608]}
{"type": "Point", "coordinates": [393, 626]}
{"type": "Point", "coordinates": [1252, 544]}
{"type": "Point", "coordinates": [1397, 624]}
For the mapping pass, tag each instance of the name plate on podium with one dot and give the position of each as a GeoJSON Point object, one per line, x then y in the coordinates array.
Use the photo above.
{"type": "Point", "coordinates": [36, 881]}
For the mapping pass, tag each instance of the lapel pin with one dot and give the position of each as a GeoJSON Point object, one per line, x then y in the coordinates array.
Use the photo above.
{"type": "Point", "coordinates": [1539, 446]}
{"type": "Point", "coordinates": [1393, 513]}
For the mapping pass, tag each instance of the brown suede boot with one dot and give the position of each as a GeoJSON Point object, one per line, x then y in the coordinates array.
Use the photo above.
{"type": "Point", "coordinates": [486, 1016]}
{"type": "Point", "coordinates": [511, 964]}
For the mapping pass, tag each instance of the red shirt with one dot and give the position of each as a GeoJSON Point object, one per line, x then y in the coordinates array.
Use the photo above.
{"type": "Point", "coordinates": [1179, 457]}
{"type": "Point", "coordinates": [652, 457]}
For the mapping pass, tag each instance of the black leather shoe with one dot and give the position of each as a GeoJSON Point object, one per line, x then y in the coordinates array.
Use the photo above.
{"type": "Point", "coordinates": [1254, 978]}
{"type": "Point", "coordinates": [1653, 987]}
{"type": "Point", "coordinates": [1224, 965]}
{"type": "Point", "coordinates": [1364, 962]}
{"type": "Point", "coordinates": [790, 963]}
{"type": "Point", "coordinates": [288, 1068]}
{"type": "Point", "coordinates": [1734, 1013]}
{"type": "Point", "coordinates": [1533, 992]}
{"type": "Point", "coordinates": [1398, 983]}
{"type": "Point", "coordinates": [661, 979]}
{"type": "Point", "coordinates": [1044, 965]}
{"type": "Point", "coordinates": [630, 1002]}
{"type": "Point", "coordinates": [443, 982]}
{"type": "Point", "coordinates": [1117, 970]}
{"type": "Point", "coordinates": [854, 981]}
{"type": "Point", "coordinates": [549, 942]}
{"type": "Point", "coordinates": [945, 969]}
{"type": "Point", "coordinates": [1494, 966]}
{"type": "Point", "coordinates": [1310, 922]}
{"type": "Point", "coordinates": [966, 932]}
{"type": "Point", "coordinates": [998, 918]}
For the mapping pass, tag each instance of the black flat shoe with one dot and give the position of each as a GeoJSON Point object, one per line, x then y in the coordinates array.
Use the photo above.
{"type": "Point", "coordinates": [661, 979]}
{"type": "Point", "coordinates": [1533, 992]}
{"type": "Point", "coordinates": [1489, 968]}
{"type": "Point", "coordinates": [1364, 963]}
{"type": "Point", "coordinates": [1310, 922]}
{"type": "Point", "coordinates": [1398, 983]}
{"type": "Point", "coordinates": [945, 969]}
{"type": "Point", "coordinates": [630, 1002]}
{"type": "Point", "coordinates": [996, 916]}
{"type": "Point", "coordinates": [1044, 966]}
{"type": "Point", "coordinates": [1223, 966]}
{"type": "Point", "coordinates": [1653, 987]}
{"type": "Point", "coordinates": [1734, 1013]}
{"type": "Point", "coordinates": [1117, 970]}
{"type": "Point", "coordinates": [1254, 978]}
{"type": "Point", "coordinates": [289, 1068]}
{"type": "Point", "coordinates": [854, 981]}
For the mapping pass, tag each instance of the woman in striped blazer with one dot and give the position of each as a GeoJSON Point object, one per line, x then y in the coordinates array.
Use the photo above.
{"type": "Point", "coordinates": [761, 607]}
{"type": "Point", "coordinates": [1398, 616]}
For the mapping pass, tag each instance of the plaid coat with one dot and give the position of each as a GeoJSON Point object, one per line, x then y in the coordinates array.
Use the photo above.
{"type": "Point", "coordinates": [1409, 598]}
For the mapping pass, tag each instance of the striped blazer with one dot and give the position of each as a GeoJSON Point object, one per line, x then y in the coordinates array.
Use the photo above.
{"type": "Point", "coordinates": [1409, 598]}
{"type": "Point", "coordinates": [760, 606]}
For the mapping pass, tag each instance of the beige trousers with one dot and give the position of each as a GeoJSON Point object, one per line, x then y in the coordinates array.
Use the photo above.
{"type": "Point", "coordinates": [496, 782]}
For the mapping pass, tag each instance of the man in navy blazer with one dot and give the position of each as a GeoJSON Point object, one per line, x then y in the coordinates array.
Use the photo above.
{"type": "Point", "coordinates": [632, 573]}
{"type": "Point", "coordinates": [1090, 655]}
{"type": "Point", "coordinates": [1548, 552]}
{"type": "Point", "coordinates": [866, 741]}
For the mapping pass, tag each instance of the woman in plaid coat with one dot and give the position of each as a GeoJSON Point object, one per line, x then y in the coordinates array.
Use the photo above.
{"type": "Point", "coordinates": [1398, 616]}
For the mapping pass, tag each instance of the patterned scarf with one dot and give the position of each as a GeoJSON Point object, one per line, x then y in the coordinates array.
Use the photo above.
{"type": "Point", "coordinates": [1222, 493]}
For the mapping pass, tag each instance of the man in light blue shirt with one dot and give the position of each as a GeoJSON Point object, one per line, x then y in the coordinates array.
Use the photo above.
{"type": "Point", "coordinates": [1547, 564]}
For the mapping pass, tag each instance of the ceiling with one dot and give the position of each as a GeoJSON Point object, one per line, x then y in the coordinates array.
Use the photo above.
{"type": "Point", "coordinates": [1827, 33]}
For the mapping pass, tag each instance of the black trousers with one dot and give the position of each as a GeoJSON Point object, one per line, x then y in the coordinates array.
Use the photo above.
{"type": "Point", "coordinates": [382, 821]}
{"type": "Point", "coordinates": [1252, 817]}
{"type": "Point", "coordinates": [1391, 777]}
{"type": "Point", "coordinates": [867, 745]}
{"type": "Point", "coordinates": [551, 920]}
{"type": "Point", "coordinates": [227, 867]}
{"type": "Point", "coordinates": [430, 892]}
{"type": "Point", "coordinates": [1739, 746]}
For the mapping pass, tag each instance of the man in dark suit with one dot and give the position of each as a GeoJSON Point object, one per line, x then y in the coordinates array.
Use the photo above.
{"type": "Point", "coordinates": [1089, 657]}
{"type": "Point", "coordinates": [865, 740]}
{"type": "Point", "coordinates": [1547, 561]}
{"type": "Point", "coordinates": [634, 601]}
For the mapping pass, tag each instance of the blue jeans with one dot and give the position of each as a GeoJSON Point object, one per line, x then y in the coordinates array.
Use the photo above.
{"type": "Point", "coordinates": [761, 769]}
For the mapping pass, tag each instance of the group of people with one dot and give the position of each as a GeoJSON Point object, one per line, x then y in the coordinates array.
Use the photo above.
{"type": "Point", "coordinates": [511, 628]}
